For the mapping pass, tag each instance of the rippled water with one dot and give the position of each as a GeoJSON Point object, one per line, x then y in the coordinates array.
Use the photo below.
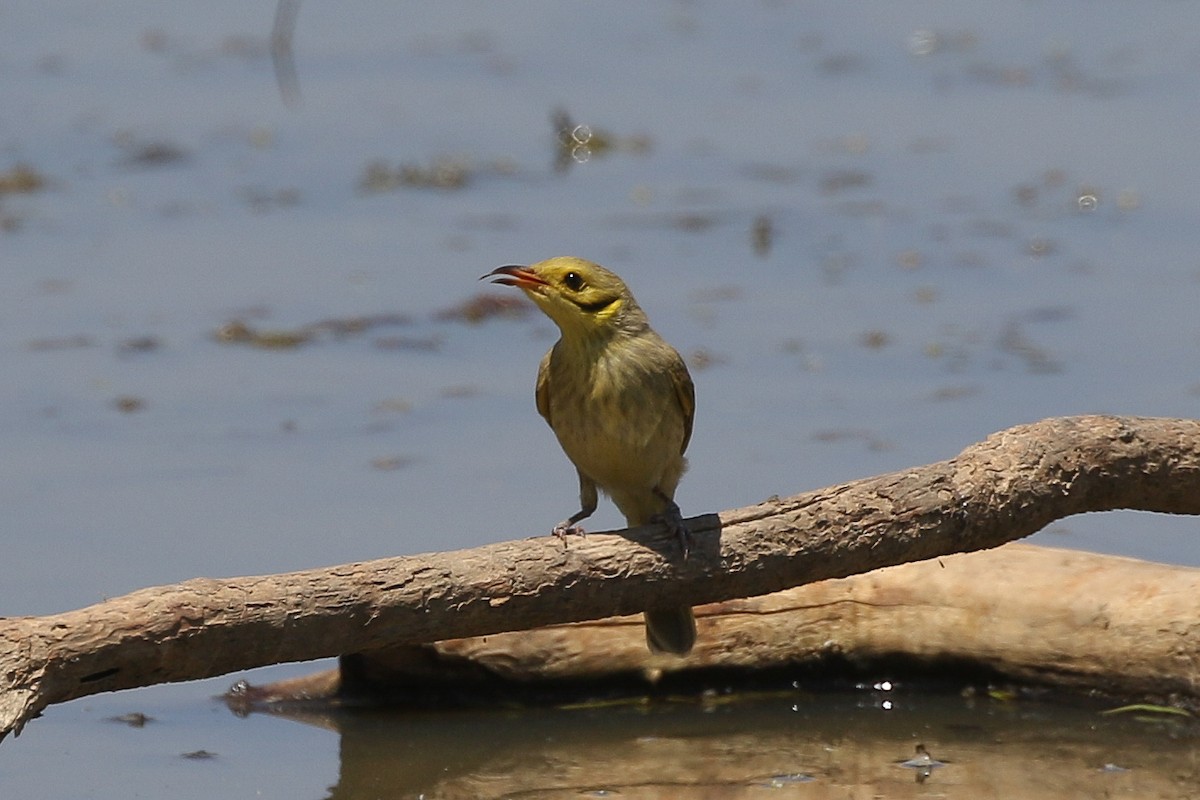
{"type": "Point", "coordinates": [878, 234]}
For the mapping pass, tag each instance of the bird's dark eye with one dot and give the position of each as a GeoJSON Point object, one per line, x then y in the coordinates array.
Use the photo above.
{"type": "Point", "coordinates": [573, 281]}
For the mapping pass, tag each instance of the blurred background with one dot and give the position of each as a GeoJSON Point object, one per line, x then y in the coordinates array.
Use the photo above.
{"type": "Point", "coordinates": [241, 329]}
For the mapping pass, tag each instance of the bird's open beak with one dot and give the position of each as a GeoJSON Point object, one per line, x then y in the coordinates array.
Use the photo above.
{"type": "Point", "coordinates": [515, 275]}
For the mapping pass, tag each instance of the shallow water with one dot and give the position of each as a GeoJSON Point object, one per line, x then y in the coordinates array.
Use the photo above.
{"type": "Point", "coordinates": [978, 216]}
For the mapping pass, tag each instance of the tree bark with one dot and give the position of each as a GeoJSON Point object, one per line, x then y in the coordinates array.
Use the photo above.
{"type": "Point", "coordinates": [1040, 615]}
{"type": "Point", "coordinates": [1006, 487]}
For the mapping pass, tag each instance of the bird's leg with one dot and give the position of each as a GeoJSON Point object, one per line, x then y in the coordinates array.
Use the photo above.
{"type": "Point", "coordinates": [568, 526]}
{"type": "Point", "coordinates": [673, 519]}
{"type": "Point", "coordinates": [588, 500]}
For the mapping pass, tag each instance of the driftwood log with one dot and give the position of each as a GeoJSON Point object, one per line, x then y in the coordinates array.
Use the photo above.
{"type": "Point", "coordinates": [1038, 615]}
{"type": "Point", "coordinates": [1010, 485]}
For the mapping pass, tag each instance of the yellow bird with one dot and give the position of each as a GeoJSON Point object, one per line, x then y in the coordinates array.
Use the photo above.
{"type": "Point", "coordinates": [621, 402]}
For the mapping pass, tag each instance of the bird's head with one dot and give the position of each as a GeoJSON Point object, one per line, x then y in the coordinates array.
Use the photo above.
{"type": "Point", "coordinates": [583, 299]}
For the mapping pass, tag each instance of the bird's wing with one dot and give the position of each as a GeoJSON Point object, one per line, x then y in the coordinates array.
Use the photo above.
{"type": "Point", "coordinates": [685, 393]}
{"type": "Point", "coordinates": [542, 392]}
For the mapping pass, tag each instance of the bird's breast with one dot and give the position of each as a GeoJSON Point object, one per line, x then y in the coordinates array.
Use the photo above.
{"type": "Point", "coordinates": [616, 417]}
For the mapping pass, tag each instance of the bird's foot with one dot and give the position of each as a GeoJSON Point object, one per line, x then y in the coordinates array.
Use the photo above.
{"type": "Point", "coordinates": [673, 520]}
{"type": "Point", "coordinates": [567, 528]}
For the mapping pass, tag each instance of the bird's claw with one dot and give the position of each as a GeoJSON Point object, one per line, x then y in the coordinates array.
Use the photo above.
{"type": "Point", "coordinates": [567, 528]}
{"type": "Point", "coordinates": [673, 520]}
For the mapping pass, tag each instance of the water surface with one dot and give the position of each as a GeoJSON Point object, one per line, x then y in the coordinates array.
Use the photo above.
{"type": "Point", "coordinates": [979, 215]}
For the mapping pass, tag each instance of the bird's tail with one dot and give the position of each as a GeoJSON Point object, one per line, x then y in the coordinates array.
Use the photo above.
{"type": "Point", "coordinates": [670, 630]}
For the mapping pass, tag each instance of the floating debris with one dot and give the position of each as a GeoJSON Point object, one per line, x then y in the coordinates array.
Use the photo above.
{"type": "Point", "coordinates": [21, 179]}
{"type": "Point", "coordinates": [135, 719]}
{"type": "Point", "coordinates": [127, 404]}
{"type": "Point", "coordinates": [238, 331]}
{"type": "Point", "coordinates": [445, 172]}
{"type": "Point", "coordinates": [391, 463]}
{"type": "Point", "coordinates": [1147, 708]}
{"type": "Point", "coordinates": [910, 259]}
{"type": "Point", "coordinates": [701, 359]}
{"type": "Point", "coordinates": [138, 344]}
{"type": "Point", "coordinates": [1037, 359]}
{"type": "Point", "coordinates": [393, 405]}
{"type": "Point", "coordinates": [925, 294]}
{"type": "Point", "coordinates": [577, 143]}
{"type": "Point", "coordinates": [762, 235]}
{"type": "Point", "coordinates": [957, 392]}
{"type": "Point", "coordinates": [199, 755]}
{"type": "Point", "coordinates": [923, 763]}
{"type": "Point", "coordinates": [922, 759]}
{"type": "Point", "coordinates": [354, 326]}
{"type": "Point", "coordinates": [872, 441]}
{"type": "Point", "coordinates": [1041, 246]}
{"type": "Point", "coordinates": [150, 154]}
{"type": "Point", "coordinates": [875, 339]}
{"type": "Point", "coordinates": [483, 307]}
